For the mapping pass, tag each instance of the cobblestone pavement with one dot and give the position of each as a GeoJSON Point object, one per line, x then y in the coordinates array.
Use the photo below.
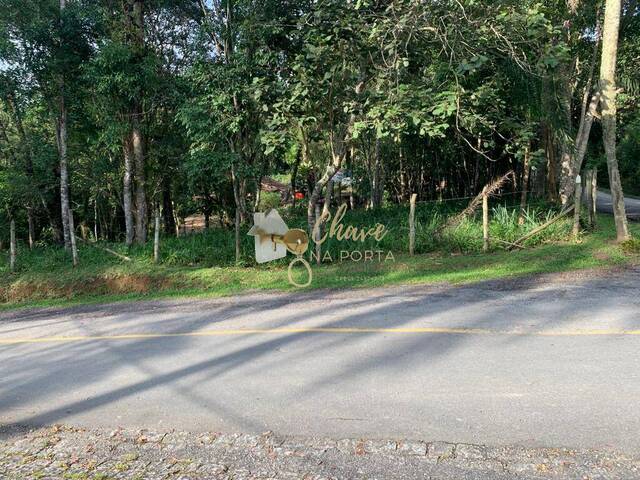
{"type": "Point", "coordinates": [69, 453]}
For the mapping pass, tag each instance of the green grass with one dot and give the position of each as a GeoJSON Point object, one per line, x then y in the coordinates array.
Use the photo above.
{"type": "Point", "coordinates": [202, 264]}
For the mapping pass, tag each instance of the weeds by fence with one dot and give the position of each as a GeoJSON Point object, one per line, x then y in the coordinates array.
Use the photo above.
{"type": "Point", "coordinates": [415, 227]}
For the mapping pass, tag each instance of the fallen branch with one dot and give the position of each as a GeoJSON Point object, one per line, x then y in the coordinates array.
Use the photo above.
{"type": "Point", "coordinates": [514, 245]}
{"type": "Point", "coordinates": [537, 230]}
{"type": "Point", "coordinates": [477, 201]}
{"type": "Point", "coordinates": [108, 250]}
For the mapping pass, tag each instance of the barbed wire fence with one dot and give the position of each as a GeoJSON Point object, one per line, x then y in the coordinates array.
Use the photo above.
{"type": "Point", "coordinates": [584, 196]}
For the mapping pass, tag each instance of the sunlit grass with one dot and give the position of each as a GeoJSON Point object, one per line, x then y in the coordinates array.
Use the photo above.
{"type": "Point", "coordinates": [103, 278]}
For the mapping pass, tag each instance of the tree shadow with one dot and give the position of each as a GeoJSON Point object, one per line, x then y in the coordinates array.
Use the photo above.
{"type": "Point", "coordinates": [40, 378]}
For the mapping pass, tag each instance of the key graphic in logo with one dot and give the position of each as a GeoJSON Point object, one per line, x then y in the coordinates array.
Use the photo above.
{"type": "Point", "coordinates": [273, 239]}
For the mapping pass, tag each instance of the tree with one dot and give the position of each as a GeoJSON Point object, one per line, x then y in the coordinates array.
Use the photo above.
{"type": "Point", "coordinates": [611, 28]}
{"type": "Point", "coordinates": [61, 137]}
{"type": "Point", "coordinates": [108, 106]}
{"type": "Point", "coordinates": [134, 145]}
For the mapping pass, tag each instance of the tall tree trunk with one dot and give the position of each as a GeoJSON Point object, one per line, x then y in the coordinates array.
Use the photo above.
{"type": "Point", "coordinates": [328, 196]}
{"type": "Point", "coordinates": [207, 210]}
{"type": "Point", "coordinates": [589, 104]}
{"type": "Point", "coordinates": [61, 137]}
{"type": "Point", "coordinates": [566, 171]}
{"type": "Point", "coordinates": [350, 163]}
{"type": "Point", "coordinates": [12, 245]}
{"type": "Point", "coordinates": [613, 10]}
{"type": "Point", "coordinates": [156, 236]}
{"type": "Point", "coordinates": [239, 191]}
{"type": "Point", "coordinates": [329, 172]}
{"type": "Point", "coordinates": [127, 196]}
{"type": "Point", "coordinates": [61, 129]}
{"type": "Point", "coordinates": [588, 112]}
{"type": "Point", "coordinates": [54, 207]}
{"type": "Point", "coordinates": [167, 207]}
{"type": "Point", "coordinates": [376, 177]}
{"type": "Point", "coordinates": [237, 178]}
{"type": "Point", "coordinates": [137, 22]}
{"type": "Point", "coordinates": [551, 167]}
{"type": "Point", "coordinates": [32, 230]}
{"type": "Point", "coordinates": [72, 234]}
{"type": "Point", "coordinates": [141, 198]}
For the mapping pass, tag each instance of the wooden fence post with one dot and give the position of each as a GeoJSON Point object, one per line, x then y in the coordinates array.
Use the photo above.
{"type": "Point", "coordinates": [72, 232]}
{"type": "Point", "coordinates": [485, 220]}
{"type": "Point", "coordinates": [412, 223]}
{"type": "Point", "coordinates": [590, 194]}
{"type": "Point", "coordinates": [525, 185]}
{"type": "Point", "coordinates": [156, 237]}
{"type": "Point", "coordinates": [577, 205]}
{"type": "Point", "coordinates": [32, 232]}
{"type": "Point", "coordinates": [586, 194]}
{"type": "Point", "coordinates": [12, 246]}
{"type": "Point", "coordinates": [318, 235]}
{"type": "Point", "coordinates": [237, 230]}
{"type": "Point", "coordinates": [594, 196]}
{"type": "Point", "coordinates": [95, 219]}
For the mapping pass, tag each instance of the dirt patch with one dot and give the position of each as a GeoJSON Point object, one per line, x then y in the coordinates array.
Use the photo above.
{"type": "Point", "coordinates": [96, 286]}
{"type": "Point", "coordinates": [602, 256]}
{"type": "Point", "coordinates": [124, 284]}
{"type": "Point", "coordinates": [20, 291]}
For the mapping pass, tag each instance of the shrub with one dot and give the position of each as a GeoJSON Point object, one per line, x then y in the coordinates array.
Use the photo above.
{"type": "Point", "coordinates": [269, 200]}
{"type": "Point", "coordinates": [631, 246]}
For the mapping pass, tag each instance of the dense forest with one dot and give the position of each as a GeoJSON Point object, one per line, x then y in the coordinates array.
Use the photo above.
{"type": "Point", "coordinates": [112, 111]}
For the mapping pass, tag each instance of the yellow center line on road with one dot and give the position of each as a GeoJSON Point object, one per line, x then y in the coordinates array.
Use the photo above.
{"type": "Point", "coordinates": [330, 330]}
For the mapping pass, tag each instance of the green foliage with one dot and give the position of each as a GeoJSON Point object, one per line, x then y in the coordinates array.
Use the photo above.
{"type": "Point", "coordinates": [631, 246]}
{"type": "Point", "coordinates": [434, 98]}
{"type": "Point", "coordinates": [629, 153]}
{"type": "Point", "coordinates": [269, 200]}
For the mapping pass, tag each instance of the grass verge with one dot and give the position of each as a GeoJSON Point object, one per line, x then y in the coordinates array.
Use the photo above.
{"type": "Point", "coordinates": [100, 281]}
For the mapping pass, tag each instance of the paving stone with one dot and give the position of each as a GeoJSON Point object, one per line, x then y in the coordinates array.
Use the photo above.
{"type": "Point", "coordinates": [469, 452]}
{"type": "Point", "coordinates": [412, 448]}
{"type": "Point", "coordinates": [440, 450]}
{"type": "Point", "coordinates": [377, 446]}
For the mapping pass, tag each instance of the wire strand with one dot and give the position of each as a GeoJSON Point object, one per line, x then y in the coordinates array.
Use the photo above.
{"type": "Point", "coordinates": [468, 198]}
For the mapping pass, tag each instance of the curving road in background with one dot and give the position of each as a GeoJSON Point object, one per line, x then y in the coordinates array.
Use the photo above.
{"type": "Point", "coordinates": [632, 205]}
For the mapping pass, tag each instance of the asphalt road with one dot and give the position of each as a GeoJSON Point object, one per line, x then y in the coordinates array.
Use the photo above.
{"type": "Point", "coordinates": [547, 361]}
{"type": "Point", "coordinates": [632, 205]}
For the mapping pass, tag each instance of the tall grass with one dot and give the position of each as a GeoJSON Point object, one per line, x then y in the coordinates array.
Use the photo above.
{"type": "Point", "coordinates": [503, 225]}
{"type": "Point", "coordinates": [216, 246]}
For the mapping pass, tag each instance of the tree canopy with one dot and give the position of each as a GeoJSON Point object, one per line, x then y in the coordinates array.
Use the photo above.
{"type": "Point", "coordinates": [186, 105]}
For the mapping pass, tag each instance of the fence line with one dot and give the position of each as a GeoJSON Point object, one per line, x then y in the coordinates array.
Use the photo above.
{"type": "Point", "coordinates": [469, 198]}
{"type": "Point", "coordinates": [590, 188]}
